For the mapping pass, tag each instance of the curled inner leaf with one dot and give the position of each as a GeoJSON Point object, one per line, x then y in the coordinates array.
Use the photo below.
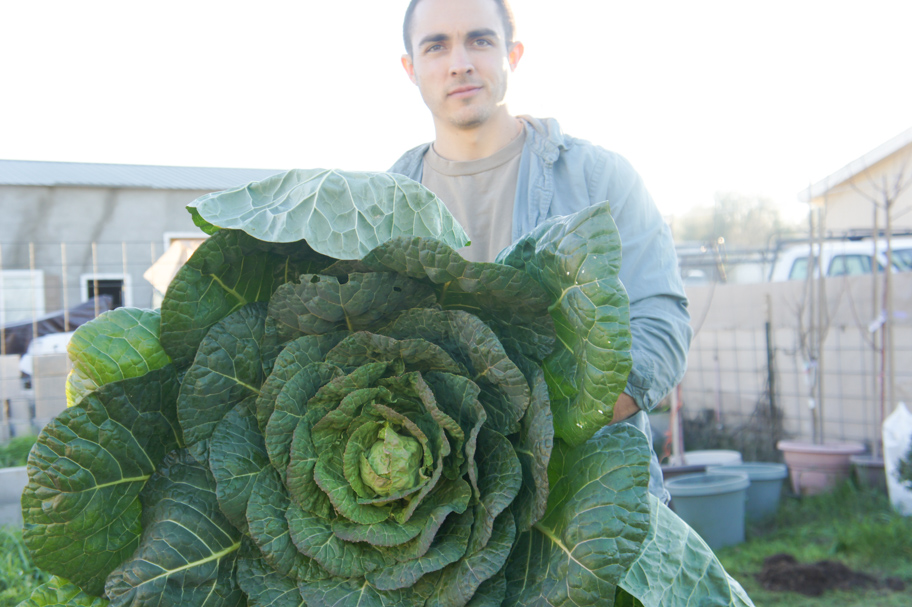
{"type": "Point", "coordinates": [393, 463]}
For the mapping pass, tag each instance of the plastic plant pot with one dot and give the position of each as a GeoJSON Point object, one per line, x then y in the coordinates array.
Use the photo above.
{"type": "Point", "coordinates": [711, 457]}
{"type": "Point", "coordinates": [818, 468]}
{"type": "Point", "coordinates": [869, 471]}
{"type": "Point", "coordinates": [765, 488]}
{"type": "Point", "coordinates": [712, 503]}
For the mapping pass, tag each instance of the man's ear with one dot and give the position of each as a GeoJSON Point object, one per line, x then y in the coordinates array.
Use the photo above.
{"type": "Point", "coordinates": [515, 54]}
{"type": "Point", "coordinates": [409, 68]}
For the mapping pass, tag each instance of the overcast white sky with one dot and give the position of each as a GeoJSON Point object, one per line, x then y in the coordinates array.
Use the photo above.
{"type": "Point", "coordinates": [753, 97]}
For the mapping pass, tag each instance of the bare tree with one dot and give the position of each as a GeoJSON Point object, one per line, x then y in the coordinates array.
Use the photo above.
{"type": "Point", "coordinates": [883, 193]}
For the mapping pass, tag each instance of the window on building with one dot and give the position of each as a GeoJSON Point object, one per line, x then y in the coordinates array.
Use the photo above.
{"type": "Point", "coordinates": [118, 286]}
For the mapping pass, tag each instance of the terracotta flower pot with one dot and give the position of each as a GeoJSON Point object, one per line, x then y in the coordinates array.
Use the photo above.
{"type": "Point", "coordinates": [817, 468]}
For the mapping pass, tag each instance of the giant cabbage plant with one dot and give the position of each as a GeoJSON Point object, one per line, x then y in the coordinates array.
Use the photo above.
{"type": "Point", "coordinates": [334, 408]}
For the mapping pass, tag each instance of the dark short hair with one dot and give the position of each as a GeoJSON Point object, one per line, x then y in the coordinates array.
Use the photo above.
{"type": "Point", "coordinates": [503, 6]}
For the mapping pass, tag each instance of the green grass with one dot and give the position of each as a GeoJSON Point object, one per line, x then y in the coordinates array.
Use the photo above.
{"type": "Point", "coordinates": [18, 577]}
{"type": "Point", "coordinates": [14, 452]}
{"type": "Point", "coordinates": [853, 526]}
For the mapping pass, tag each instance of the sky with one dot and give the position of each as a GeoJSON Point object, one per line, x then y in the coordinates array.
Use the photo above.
{"type": "Point", "coordinates": [757, 98]}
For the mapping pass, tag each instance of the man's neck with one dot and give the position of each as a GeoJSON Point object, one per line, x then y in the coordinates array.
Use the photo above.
{"type": "Point", "coordinates": [458, 144]}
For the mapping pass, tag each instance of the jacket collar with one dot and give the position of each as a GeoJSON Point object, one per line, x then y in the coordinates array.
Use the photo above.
{"type": "Point", "coordinates": [543, 136]}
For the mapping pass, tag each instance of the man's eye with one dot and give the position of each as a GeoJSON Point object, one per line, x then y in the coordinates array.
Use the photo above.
{"type": "Point", "coordinates": [433, 48]}
{"type": "Point", "coordinates": [482, 42]}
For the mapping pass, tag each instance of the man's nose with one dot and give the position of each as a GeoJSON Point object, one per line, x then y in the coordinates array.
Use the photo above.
{"type": "Point", "coordinates": [460, 62]}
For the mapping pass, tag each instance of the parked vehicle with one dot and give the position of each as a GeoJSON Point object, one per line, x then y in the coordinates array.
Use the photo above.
{"type": "Point", "coordinates": [840, 258]}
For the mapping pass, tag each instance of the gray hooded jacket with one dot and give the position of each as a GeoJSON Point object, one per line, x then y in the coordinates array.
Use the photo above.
{"type": "Point", "coordinates": [559, 175]}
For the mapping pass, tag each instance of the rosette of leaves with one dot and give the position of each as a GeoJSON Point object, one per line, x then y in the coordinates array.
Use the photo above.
{"type": "Point", "coordinates": [349, 413]}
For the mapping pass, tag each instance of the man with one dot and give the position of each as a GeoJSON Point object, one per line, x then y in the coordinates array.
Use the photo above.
{"type": "Point", "coordinates": [502, 175]}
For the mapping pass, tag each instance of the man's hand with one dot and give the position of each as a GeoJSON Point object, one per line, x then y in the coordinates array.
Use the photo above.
{"type": "Point", "coordinates": [623, 408]}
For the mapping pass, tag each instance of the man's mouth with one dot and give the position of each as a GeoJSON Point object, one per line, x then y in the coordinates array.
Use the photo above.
{"type": "Point", "coordinates": [464, 91]}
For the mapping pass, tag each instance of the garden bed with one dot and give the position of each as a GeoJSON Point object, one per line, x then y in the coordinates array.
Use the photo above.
{"type": "Point", "coordinates": [846, 548]}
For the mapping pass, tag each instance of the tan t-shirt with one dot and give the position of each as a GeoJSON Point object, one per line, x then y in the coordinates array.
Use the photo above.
{"type": "Point", "coordinates": [479, 194]}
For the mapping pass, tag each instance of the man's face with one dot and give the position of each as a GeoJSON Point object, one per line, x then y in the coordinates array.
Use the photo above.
{"type": "Point", "coordinates": [460, 60]}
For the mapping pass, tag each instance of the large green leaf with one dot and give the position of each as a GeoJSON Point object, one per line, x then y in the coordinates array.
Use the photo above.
{"type": "Point", "coordinates": [457, 397]}
{"type": "Point", "coordinates": [265, 587]}
{"type": "Point", "coordinates": [117, 345]}
{"type": "Point", "coordinates": [487, 290]}
{"type": "Point", "coordinates": [456, 584]}
{"type": "Point", "coordinates": [323, 304]}
{"type": "Point", "coordinates": [291, 409]}
{"type": "Point", "coordinates": [448, 547]}
{"type": "Point", "coordinates": [677, 569]}
{"type": "Point", "coordinates": [576, 259]}
{"type": "Point", "coordinates": [188, 551]}
{"type": "Point", "coordinates": [81, 507]}
{"type": "Point", "coordinates": [293, 359]}
{"type": "Point", "coordinates": [269, 530]}
{"type": "Point", "coordinates": [238, 457]}
{"type": "Point", "coordinates": [597, 519]}
{"type": "Point", "coordinates": [499, 479]}
{"type": "Point", "coordinates": [226, 272]}
{"type": "Point", "coordinates": [314, 537]}
{"type": "Point", "coordinates": [533, 447]}
{"type": "Point", "coordinates": [227, 370]}
{"type": "Point", "coordinates": [58, 592]}
{"type": "Point", "coordinates": [412, 538]}
{"type": "Point", "coordinates": [340, 214]}
{"type": "Point", "coordinates": [504, 392]}
{"type": "Point", "coordinates": [491, 592]}
{"type": "Point", "coordinates": [356, 592]}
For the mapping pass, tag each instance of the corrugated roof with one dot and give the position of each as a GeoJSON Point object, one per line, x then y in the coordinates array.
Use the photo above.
{"type": "Point", "coordinates": [39, 173]}
{"type": "Point", "coordinates": [856, 166]}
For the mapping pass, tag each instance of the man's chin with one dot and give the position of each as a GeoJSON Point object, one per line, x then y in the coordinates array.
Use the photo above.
{"type": "Point", "coordinates": [469, 120]}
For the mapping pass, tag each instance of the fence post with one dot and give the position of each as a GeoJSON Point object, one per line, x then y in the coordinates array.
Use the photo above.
{"type": "Point", "coordinates": [2, 308]}
{"type": "Point", "coordinates": [63, 287]}
{"type": "Point", "coordinates": [32, 288]}
{"type": "Point", "coordinates": [95, 278]}
{"type": "Point", "coordinates": [123, 283]}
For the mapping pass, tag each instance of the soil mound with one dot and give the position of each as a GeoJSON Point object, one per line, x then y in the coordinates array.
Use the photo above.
{"type": "Point", "coordinates": [784, 573]}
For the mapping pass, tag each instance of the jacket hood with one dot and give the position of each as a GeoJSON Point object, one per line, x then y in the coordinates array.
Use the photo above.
{"type": "Point", "coordinates": [543, 135]}
{"type": "Point", "coordinates": [547, 140]}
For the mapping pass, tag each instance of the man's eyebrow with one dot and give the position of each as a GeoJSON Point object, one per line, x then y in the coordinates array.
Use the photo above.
{"type": "Point", "coordinates": [484, 32]}
{"type": "Point", "coordinates": [433, 38]}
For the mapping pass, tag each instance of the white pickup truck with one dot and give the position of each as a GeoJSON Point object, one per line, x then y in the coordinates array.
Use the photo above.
{"type": "Point", "coordinates": [840, 258]}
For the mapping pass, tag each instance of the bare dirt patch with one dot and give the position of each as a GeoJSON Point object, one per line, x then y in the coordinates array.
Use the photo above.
{"type": "Point", "coordinates": [782, 572]}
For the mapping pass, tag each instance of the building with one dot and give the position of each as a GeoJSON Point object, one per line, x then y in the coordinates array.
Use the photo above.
{"type": "Point", "coordinates": [880, 177]}
{"type": "Point", "coordinates": [69, 230]}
